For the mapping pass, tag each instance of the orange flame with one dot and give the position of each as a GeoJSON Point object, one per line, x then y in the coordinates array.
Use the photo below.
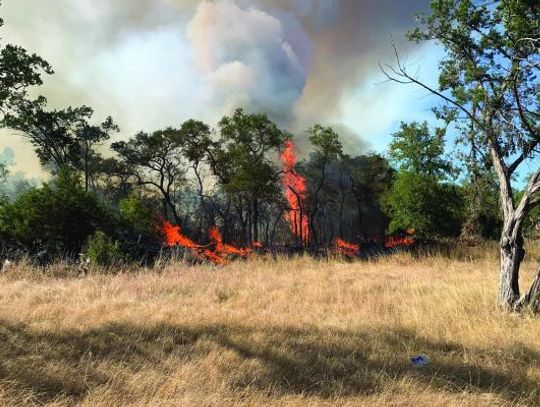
{"type": "Point", "coordinates": [295, 192]}
{"type": "Point", "coordinates": [218, 255]}
{"type": "Point", "coordinates": [401, 241]}
{"type": "Point", "coordinates": [347, 249]}
{"type": "Point", "coordinates": [225, 249]}
{"type": "Point", "coordinates": [173, 236]}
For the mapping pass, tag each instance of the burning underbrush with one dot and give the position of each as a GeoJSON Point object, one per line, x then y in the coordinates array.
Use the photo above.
{"type": "Point", "coordinates": [295, 191]}
{"type": "Point", "coordinates": [215, 252]}
{"type": "Point", "coordinates": [220, 253]}
{"type": "Point", "coordinates": [347, 249]}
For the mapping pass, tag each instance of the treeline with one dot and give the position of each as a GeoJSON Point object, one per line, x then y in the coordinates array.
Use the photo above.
{"type": "Point", "coordinates": [109, 199]}
{"type": "Point", "coordinates": [230, 176]}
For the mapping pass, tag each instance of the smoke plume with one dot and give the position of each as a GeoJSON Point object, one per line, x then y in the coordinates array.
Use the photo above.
{"type": "Point", "coordinates": [153, 63]}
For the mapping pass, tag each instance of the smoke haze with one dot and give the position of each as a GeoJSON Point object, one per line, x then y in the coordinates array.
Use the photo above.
{"type": "Point", "coordinates": [154, 63]}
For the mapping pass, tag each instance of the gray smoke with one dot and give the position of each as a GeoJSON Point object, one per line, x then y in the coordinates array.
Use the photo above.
{"type": "Point", "coordinates": [153, 63]}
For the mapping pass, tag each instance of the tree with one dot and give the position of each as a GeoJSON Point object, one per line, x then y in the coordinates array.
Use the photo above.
{"type": "Point", "coordinates": [417, 150]}
{"type": "Point", "coordinates": [53, 133]}
{"type": "Point", "coordinates": [482, 218]}
{"type": "Point", "coordinates": [419, 198]}
{"type": "Point", "coordinates": [241, 160]}
{"type": "Point", "coordinates": [139, 215]}
{"type": "Point", "coordinates": [58, 217]}
{"type": "Point", "coordinates": [89, 138]}
{"type": "Point", "coordinates": [490, 78]}
{"type": "Point", "coordinates": [195, 138]}
{"type": "Point", "coordinates": [370, 178]}
{"type": "Point", "coordinates": [156, 160]}
{"type": "Point", "coordinates": [112, 177]}
{"type": "Point", "coordinates": [19, 70]}
{"type": "Point", "coordinates": [420, 202]}
{"type": "Point", "coordinates": [327, 147]}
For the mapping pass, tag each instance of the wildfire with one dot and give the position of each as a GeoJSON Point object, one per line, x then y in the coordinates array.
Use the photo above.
{"type": "Point", "coordinates": [347, 249]}
{"type": "Point", "coordinates": [217, 252]}
{"type": "Point", "coordinates": [295, 192]}
{"type": "Point", "coordinates": [404, 240]}
{"type": "Point", "coordinates": [225, 249]}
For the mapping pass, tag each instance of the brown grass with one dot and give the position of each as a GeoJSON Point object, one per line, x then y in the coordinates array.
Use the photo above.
{"type": "Point", "coordinates": [290, 332]}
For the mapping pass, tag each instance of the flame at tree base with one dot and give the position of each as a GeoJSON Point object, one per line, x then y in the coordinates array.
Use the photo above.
{"type": "Point", "coordinates": [402, 240]}
{"type": "Point", "coordinates": [216, 252]}
{"type": "Point", "coordinates": [220, 253]}
{"type": "Point", "coordinates": [347, 249]}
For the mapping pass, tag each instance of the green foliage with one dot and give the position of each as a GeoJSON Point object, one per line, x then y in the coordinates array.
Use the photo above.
{"type": "Point", "coordinates": [138, 215]}
{"type": "Point", "coordinates": [418, 198]}
{"type": "Point", "coordinates": [240, 158]}
{"type": "Point", "coordinates": [415, 149]}
{"type": "Point", "coordinates": [53, 133]}
{"type": "Point", "coordinates": [58, 217]}
{"type": "Point", "coordinates": [102, 250]}
{"type": "Point", "coordinates": [420, 202]}
{"type": "Point", "coordinates": [489, 78]}
{"type": "Point", "coordinates": [370, 176]}
{"type": "Point", "coordinates": [156, 160]}
{"type": "Point", "coordinates": [482, 200]}
{"type": "Point", "coordinates": [326, 142]}
{"type": "Point", "coordinates": [195, 140]}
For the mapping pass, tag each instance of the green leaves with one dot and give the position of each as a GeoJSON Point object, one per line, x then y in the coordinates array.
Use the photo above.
{"type": "Point", "coordinates": [60, 137]}
{"type": "Point", "coordinates": [242, 155]}
{"type": "Point", "coordinates": [325, 141]}
{"type": "Point", "coordinates": [420, 202]}
{"type": "Point", "coordinates": [491, 68]}
{"type": "Point", "coordinates": [414, 149]}
{"type": "Point", "coordinates": [57, 217]}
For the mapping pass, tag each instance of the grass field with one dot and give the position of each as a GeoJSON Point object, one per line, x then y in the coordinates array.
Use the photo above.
{"type": "Point", "coordinates": [283, 333]}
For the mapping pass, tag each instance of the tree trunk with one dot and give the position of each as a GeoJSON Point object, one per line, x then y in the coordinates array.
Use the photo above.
{"type": "Point", "coordinates": [531, 300]}
{"type": "Point", "coordinates": [86, 170]}
{"type": "Point", "coordinates": [512, 254]}
{"type": "Point", "coordinates": [255, 221]}
{"type": "Point", "coordinates": [341, 206]}
{"type": "Point", "coordinates": [360, 209]}
{"type": "Point", "coordinates": [202, 203]}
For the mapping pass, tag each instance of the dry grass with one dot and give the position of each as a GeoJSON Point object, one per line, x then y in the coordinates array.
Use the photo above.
{"type": "Point", "coordinates": [291, 332]}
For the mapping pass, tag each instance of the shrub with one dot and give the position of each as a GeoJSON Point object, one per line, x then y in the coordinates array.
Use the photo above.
{"type": "Point", "coordinates": [421, 202]}
{"type": "Point", "coordinates": [57, 218]}
{"type": "Point", "coordinates": [102, 250]}
{"type": "Point", "coordinates": [138, 215]}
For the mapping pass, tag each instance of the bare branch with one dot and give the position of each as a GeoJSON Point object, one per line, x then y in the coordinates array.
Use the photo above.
{"type": "Point", "coordinates": [400, 75]}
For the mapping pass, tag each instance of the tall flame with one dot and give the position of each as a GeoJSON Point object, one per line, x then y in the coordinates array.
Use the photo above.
{"type": "Point", "coordinates": [295, 192]}
{"type": "Point", "coordinates": [217, 252]}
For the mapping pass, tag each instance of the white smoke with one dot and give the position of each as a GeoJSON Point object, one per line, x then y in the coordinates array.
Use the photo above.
{"type": "Point", "coordinates": [249, 57]}
{"type": "Point", "coordinates": [155, 63]}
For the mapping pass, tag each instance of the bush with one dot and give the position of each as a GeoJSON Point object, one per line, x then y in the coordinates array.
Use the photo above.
{"type": "Point", "coordinates": [139, 216]}
{"type": "Point", "coordinates": [102, 250]}
{"type": "Point", "coordinates": [421, 202]}
{"type": "Point", "coordinates": [56, 219]}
